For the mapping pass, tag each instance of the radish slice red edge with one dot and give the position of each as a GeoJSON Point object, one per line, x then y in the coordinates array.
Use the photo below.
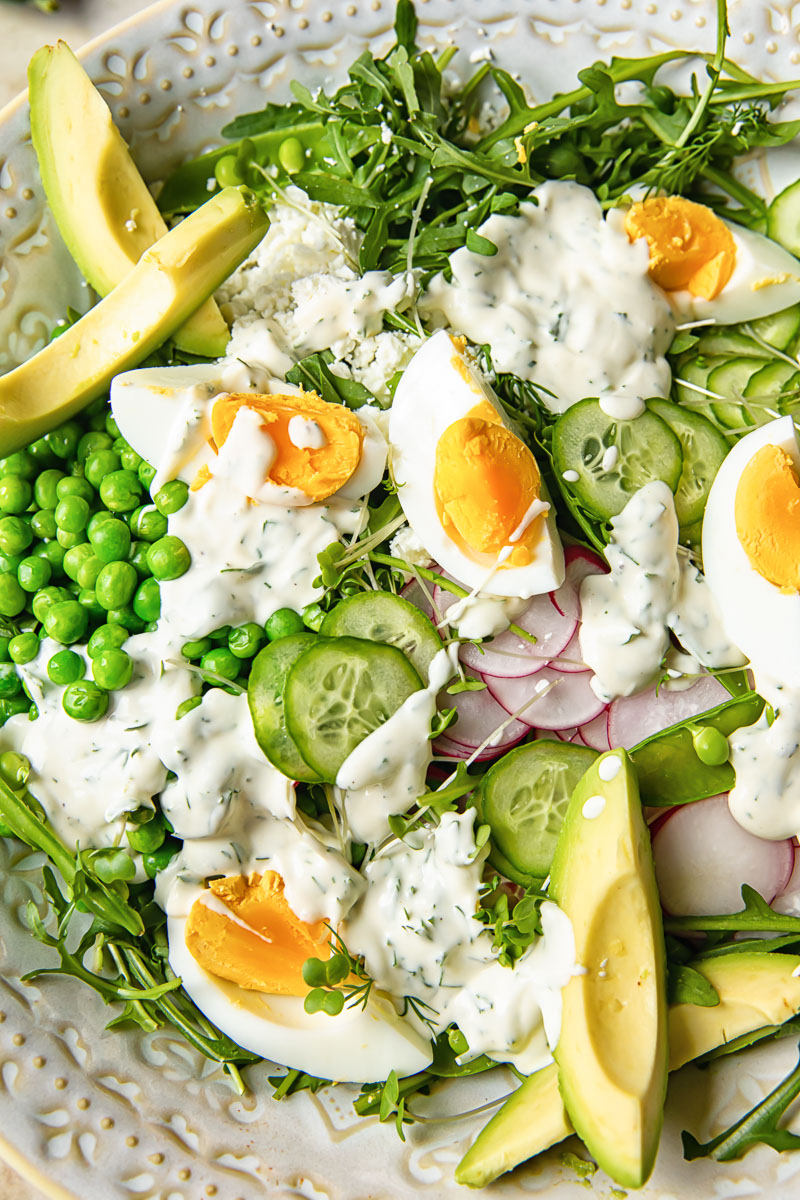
{"type": "Point", "coordinates": [566, 700]}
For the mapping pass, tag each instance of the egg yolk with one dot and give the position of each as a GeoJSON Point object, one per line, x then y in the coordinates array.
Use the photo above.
{"type": "Point", "coordinates": [485, 481]}
{"type": "Point", "coordinates": [690, 247]}
{"type": "Point", "coordinates": [318, 465]}
{"type": "Point", "coordinates": [767, 514]}
{"type": "Point", "coordinates": [252, 937]}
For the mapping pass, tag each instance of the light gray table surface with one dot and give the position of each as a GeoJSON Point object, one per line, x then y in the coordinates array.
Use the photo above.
{"type": "Point", "coordinates": [22, 30]}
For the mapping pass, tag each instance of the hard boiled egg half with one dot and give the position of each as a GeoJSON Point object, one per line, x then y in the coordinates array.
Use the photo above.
{"type": "Point", "coordinates": [751, 548]}
{"type": "Point", "coordinates": [239, 951]}
{"type": "Point", "coordinates": [710, 268]}
{"type": "Point", "coordinates": [469, 487]}
{"type": "Point", "coordinates": [306, 449]}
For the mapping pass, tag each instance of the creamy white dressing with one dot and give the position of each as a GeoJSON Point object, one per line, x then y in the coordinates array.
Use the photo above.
{"type": "Point", "coordinates": [480, 615]}
{"type": "Point", "coordinates": [306, 434]}
{"type": "Point", "coordinates": [565, 302]}
{"type": "Point", "coordinates": [385, 774]}
{"type": "Point", "coordinates": [696, 622]}
{"type": "Point", "coordinates": [765, 798]}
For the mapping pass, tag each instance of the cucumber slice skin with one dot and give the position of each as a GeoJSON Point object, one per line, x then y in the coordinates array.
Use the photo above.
{"type": "Point", "coordinates": [729, 381]}
{"type": "Point", "coordinates": [730, 342]}
{"type": "Point", "coordinates": [783, 218]}
{"type": "Point", "coordinates": [339, 691]}
{"type": "Point", "coordinates": [265, 699]}
{"type": "Point", "coordinates": [704, 448]}
{"type": "Point", "coordinates": [779, 329]}
{"type": "Point", "coordinates": [648, 450]}
{"type": "Point", "coordinates": [385, 617]}
{"type": "Point", "coordinates": [772, 380]}
{"type": "Point", "coordinates": [696, 371]}
{"type": "Point", "coordinates": [524, 798]}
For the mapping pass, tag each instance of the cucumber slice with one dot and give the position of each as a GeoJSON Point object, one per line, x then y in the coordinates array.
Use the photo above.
{"type": "Point", "coordinates": [696, 371]}
{"type": "Point", "coordinates": [728, 382]}
{"type": "Point", "coordinates": [338, 692]}
{"type": "Point", "coordinates": [646, 449]}
{"type": "Point", "coordinates": [524, 798]}
{"type": "Point", "coordinates": [704, 448]}
{"type": "Point", "coordinates": [783, 218]}
{"type": "Point", "coordinates": [265, 698]}
{"type": "Point", "coordinates": [385, 617]}
{"type": "Point", "coordinates": [774, 383]}
{"type": "Point", "coordinates": [729, 342]}
{"type": "Point", "coordinates": [780, 328]}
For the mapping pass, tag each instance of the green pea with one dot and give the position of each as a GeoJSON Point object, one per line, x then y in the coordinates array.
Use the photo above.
{"type": "Point", "coordinates": [148, 523]}
{"type": "Point", "coordinates": [226, 171]}
{"type": "Point", "coordinates": [12, 706]}
{"type": "Point", "coordinates": [221, 662]}
{"type": "Point", "coordinates": [66, 621]}
{"type": "Point", "coordinates": [84, 701]}
{"type": "Point", "coordinates": [130, 459]}
{"type": "Point", "coordinates": [111, 540]}
{"type": "Point", "coordinates": [106, 637]}
{"type": "Point", "coordinates": [68, 540]}
{"type": "Point", "coordinates": [41, 452]}
{"type": "Point", "coordinates": [148, 836]}
{"type": "Point", "coordinates": [121, 490]}
{"type": "Point", "coordinates": [127, 618]}
{"type": "Point", "coordinates": [168, 558]}
{"type": "Point", "coordinates": [221, 633]}
{"type": "Point", "coordinates": [14, 768]}
{"type": "Point", "coordinates": [197, 647]}
{"type": "Point", "coordinates": [10, 682]}
{"type": "Point", "coordinates": [147, 600]}
{"type": "Point", "coordinates": [146, 474]}
{"type": "Point", "coordinates": [64, 441]}
{"type": "Point", "coordinates": [73, 559]}
{"type": "Point", "coordinates": [9, 563]}
{"type": "Point", "coordinates": [19, 463]}
{"type": "Point", "coordinates": [90, 443]}
{"type": "Point", "coordinates": [43, 523]}
{"type": "Point", "coordinates": [34, 573]}
{"type": "Point", "coordinates": [15, 535]}
{"type": "Point", "coordinates": [246, 641]}
{"type": "Point", "coordinates": [88, 598]}
{"type": "Point", "coordinates": [711, 746]}
{"type": "Point", "coordinates": [46, 598]}
{"type": "Point", "coordinates": [283, 623]}
{"type": "Point", "coordinates": [291, 155]}
{"type": "Point", "coordinates": [97, 519]}
{"type": "Point", "coordinates": [186, 706]}
{"type": "Point", "coordinates": [16, 493]}
{"type": "Point", "coordinates": [75, 485]}
{"type": "Point", "coordinates": [100, 464]}
{"type": "Point", "coordinates": [313, 615]}
{"type": "Point", "coordinates": [112, 669]}
{"type": "Point", "coordinates": [72, 514]}
{"type": "Point", "coordinates": [171, 497]}
{"type": "Point", "coordinates": [55, 553]}
{"type": "Point", "coordinates": [23, 648]}
{"type": "Point", "coordinates": [12, 597]}
{"type": "Point", "coordinates": [112, 428]}
{"type": "Point", "coordinates": [116, 584]}
{"type": "Point", "coordinates": [138, 558]}
{"type": "Point", "coordinates": [162, 857]}
{"type": "Point", "coordinates": [45, 491]}
{"type": "Point", "coordinates": [65, 666]}
{"type": "Point", "coordinates": [89, 568]}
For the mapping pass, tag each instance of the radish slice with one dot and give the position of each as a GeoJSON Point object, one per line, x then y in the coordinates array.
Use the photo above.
{"type": "Point", "coordinates": [416, 596]}
{"type": "Point", "coordinates": [509, 656]}
{"type": "Point", "coordinates": [595, 733]}
{"type": "Point", "coordinates": [569, 659]}
{"type": "Point", "coordinates": [479, 717]}
{"type": "Point", "coordinates": [569, 702]}
{"type": "Point", "coordinates": [580, 562]}
{"type": "Point", "coordinates": [788, 901]}
{"type": "Point", "coordinates": [563, 735]}
{"type": "Point", "coordinates": [633, 718]}
{"type": "Point", "coordinates": [703, 856]}
{"type": "Point", "coordinates": [447, 748]}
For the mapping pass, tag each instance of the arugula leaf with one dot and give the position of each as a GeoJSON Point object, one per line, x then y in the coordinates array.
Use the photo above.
{"type": "Point", "coordinates": [685, 985]}
{"type": "Point", "coordinates": [314, 374]}
{"type": "Point", "coordinates": [756, 916]}
{"type": "Point", "coordinates": [758, 1126]}
{"type": "Point", "coordinates": [405, 25]}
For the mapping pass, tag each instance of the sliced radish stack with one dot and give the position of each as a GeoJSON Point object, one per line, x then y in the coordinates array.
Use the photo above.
{"type": "Point", "coordinates": [416, 596]}
{"type": "Point", "coordinates": [579, 562]}
{"type": "Point", "coordinates": [569, 659]}
{"type": "Point", "coordinates": [564, 735]}
{"type": "Point", "coordinates": [570, 700]}
{"type": "Point", "coordinates": [509, 656]}
{"type": "Point", "coordinates": [633, 718]}
{"type": "Point", "coordinates": [703, 856]}
{"type": "Point", "coordinates": [788, 901]}
{"type": "Point", "coordinates": [445, 747]}
{"type": "Point", "coordinates": [595, 733]}
{"type": "Point", "coordinates": [479, 717]}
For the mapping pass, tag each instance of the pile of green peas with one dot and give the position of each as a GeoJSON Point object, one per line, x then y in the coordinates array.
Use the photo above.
{"type": "Point", "coordinates": [83, 550]}
{"type": "Point", "coordinates": [226, 655]}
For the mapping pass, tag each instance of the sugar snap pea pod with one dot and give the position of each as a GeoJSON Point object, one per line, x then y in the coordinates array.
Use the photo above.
{"type": "Point", "coordinates": [188, 186]}
{"type": "Point", "coordinates": [683, 763]}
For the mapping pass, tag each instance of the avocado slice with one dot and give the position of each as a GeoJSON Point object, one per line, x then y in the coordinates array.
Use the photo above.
{"type": "Point", "coordinates": [166, 285]}
{"type": "Point", "coordinates": [756, 991]}
{"type": "Point", "coordinates": [100, 202]}
{"type": "Point", "coordinates": [612, 1050]}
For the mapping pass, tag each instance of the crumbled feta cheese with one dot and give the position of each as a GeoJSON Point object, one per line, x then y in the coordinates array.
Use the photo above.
{"type": "Point", "coordinates": [406, 545]}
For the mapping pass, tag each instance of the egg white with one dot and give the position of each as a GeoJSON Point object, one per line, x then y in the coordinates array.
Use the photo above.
{"type": "Point", "coordinates": [437, 388]}
{"type": "Point", "coordinates": [358, 1046]}
{"type": "Point", "coordinates": [765, 279]}
{"type": "Point", "coordinates": [165, 415]}
{"type": "Point", "coordinates": [760, 619]}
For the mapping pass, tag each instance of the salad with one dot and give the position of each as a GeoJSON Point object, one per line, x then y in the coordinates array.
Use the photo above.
{"type": "Point", "coordinates": [378, 563]}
